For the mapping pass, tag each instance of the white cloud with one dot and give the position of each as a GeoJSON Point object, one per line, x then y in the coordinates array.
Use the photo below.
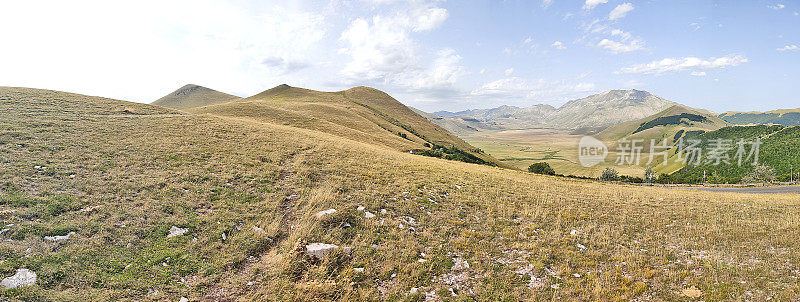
{"type": "Point", "coordinates": [546, 3]}
{"type": "Point", "coordinates": [618, 47]}
{"type": "Point", "coordinates": [527, 41]}
{"type": "Point", "coordinates": [778, 6]}
{"type": "Point", "coordinates": [515, 89]}
{"type": "Point", "coordinates": [590, 4]}
{"type": "Point", "coordinates": [559, 45]}
{"type": "Point", "coordinates": [789, 48]}
{"type": "Point", "coordinates": [141, 50]}
{"type": "Point", "coordinates": [382, 46]}
{"type": "Point", "coordinates": [442, 74]}
{"type": "Point", "coordinates": [691, 64]}
{"type": "Point", "coordinates": [620, 11]}
{"type": "Point", "coordinates": [698, 73]}
{"type": "Point", "coordinates": [509, 72]}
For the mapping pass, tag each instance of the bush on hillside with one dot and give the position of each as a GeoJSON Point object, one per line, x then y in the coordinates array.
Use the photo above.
{"type": "Point", "coordinates": [541, 168]}
{"type": "Point", "coordinates": [609, 174]}
{"type": "Point", "coordinates": [760, 174]}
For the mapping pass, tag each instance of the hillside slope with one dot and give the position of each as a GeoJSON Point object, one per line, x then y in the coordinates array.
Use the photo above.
{"type": "Point", "coordinates": [785, 117]}
{"type": "Point", "coordinates": [191, 96]}
{"type": "Point", "coordinates": [363, 114]}
{"type": "Point", "coordinates": [669, 124]}
{"type": "Point", "coordinates": [779, 149]}
{"type": "Point", "coordinates": [241, 199]}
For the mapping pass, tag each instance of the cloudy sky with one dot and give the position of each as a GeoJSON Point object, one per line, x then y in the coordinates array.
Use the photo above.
{"type": "Point", "coordinates": [434, 55]}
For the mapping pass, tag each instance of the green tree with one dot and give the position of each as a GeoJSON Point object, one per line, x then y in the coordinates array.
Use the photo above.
{"type": "Point", "coordinates": [609, 174]}
{"type": "Point", "coordinates": [541, 168]}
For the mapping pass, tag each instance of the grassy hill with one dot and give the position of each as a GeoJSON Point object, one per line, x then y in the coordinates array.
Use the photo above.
{"type": "Point", "coordinates": [785, 117]}
{"type": "Point", "coordinates": [191, 96]}
{"type": "Point", "coordinates": [667, 124]}
{"type": "Point", "coordinates": [121, 175]}
{"type": "Point", "coordinates": [779, 150]}
{"type": "Point", "coordinates": [362, 114]}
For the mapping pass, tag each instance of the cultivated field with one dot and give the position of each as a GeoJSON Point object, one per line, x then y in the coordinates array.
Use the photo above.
{"type": "Point", "coordinates": [120, 175]}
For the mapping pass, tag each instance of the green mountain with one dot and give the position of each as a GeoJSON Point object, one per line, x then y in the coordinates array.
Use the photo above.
{"type": "Point", "coordinates": [786, 117]}
{"type": "Point", "coordinates": [669, 124]}
{"type": "Point", "coordinates": [779, 149]}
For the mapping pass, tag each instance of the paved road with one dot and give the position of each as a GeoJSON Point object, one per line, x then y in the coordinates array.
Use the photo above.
{"type": "Point", "coordinates": [750, 190]}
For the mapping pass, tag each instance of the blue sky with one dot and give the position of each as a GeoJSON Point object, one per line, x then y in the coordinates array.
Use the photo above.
{"type": "Point", "coordinates": [434, 55]}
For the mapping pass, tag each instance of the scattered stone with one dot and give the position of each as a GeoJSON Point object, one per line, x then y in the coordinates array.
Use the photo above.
{"type": "Point", "coordinates": [692, 292]}
{"type": "Point", "coordinates": [574, 232]}
{"type": "Point", "coordinates": [460, 264]}
{"type": "Point", "coordinates": [369, 215]}
{"type": "Point", "coordinates": [414, 290]}
{"type": "Point", "coordinates": [23, 277]}
{"type": "Point", "coordinates": [250, 283]}
{"type": "Point", "coordinates": [581, 246]}
{"type": "Point", "coordinates": [383, 211]}
{"type": "Point", "coordinates": [257, 229]}
{"type": "Point", "coordinates": [359, 269]}
{"type": "Point", "coordinates": [224, 237]}
{"type": "Point", "coordinates": [422, 260]}
{"type": "Point", "coordinates": [326, 212]}
{"type": "Point", "coordinates": [346, 225]}
{"type": "Point", "coordinates": [555, 286]}
{"type": "Point", "coordinates": [361, 208]}
{"type": "Point", "coordinates": [184, 299]}
{"type": "Point", "coordinates": [58, 238]}
{"type": "Point", "coordinates": [176, 231]}
{"type": "Point", "coordinates": [576, 275]}
{"type": "Point", "coordinates": [319, 250]}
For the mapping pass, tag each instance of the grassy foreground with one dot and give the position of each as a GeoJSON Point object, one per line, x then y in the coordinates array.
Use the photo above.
{"type": "Point", "coordinates": [120, 175]}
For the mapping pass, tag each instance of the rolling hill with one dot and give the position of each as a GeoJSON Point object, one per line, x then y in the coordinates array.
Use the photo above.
{"type": "Point", "coordinates": [106, 200]}
{"type": "Point", "coordinates": [779, 149]}
{"type": "Point", "coordinates": [785, 117]}
{"type": "Point", "coordinates": [191, 96]}
{"type": "Point", "coordinates": [363, 114]}
{"type": "Point", "coordinates": [669, 124]}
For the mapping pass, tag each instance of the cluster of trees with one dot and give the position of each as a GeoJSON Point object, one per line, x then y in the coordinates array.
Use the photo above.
{"type": "Point", "coordinates": [779, 149]}
{"type": "Point", "coordinates": [452, 153]}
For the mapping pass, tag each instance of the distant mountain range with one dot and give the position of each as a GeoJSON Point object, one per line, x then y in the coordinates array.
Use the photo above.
{"type": "Point", "coordinates": [599, 110]}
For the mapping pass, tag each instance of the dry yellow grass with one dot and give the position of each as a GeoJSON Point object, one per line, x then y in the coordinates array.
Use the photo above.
{"type": "Point", "coordinates": [139, 169]}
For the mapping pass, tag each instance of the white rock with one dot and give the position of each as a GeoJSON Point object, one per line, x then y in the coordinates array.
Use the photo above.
{"type": "Point", "coordinates": [574, 232]}
{"type": "Point", "coordinates": [361, 208]}
{"type": "Point", "coordinates": [369, 215]}
{"type": "Point", "coordinates": [224, 237]}
{"type": "Point", "coordinates": [257, 229]}
{"type": "Point", "coordinates": [321, 214]}
{"type": "Point", "coordinates": [59, 238]}
{"type": "Point", "coordinates": [383, 211]}
{"type": "Point", "coordinates": [460, 264]}
{"type": "Point", "coordinates": [359, 269]}
{"type": "Point", "coordinates": [414, 290]}
{"type": "Point", "coordinates": [576, 275]}
{"type": "Point", "coordinates": [581, 246]}
{"type": "Point", "coordinates": [422, 260]}
{"type": "Point", "coordinates": [176, 231]}
{"type": "Point", "coordinates": [23, 277]}
{"type": "Point", "coordinates": [184, 299]}
{"type": "Point", "coordinates": [319, 250]}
